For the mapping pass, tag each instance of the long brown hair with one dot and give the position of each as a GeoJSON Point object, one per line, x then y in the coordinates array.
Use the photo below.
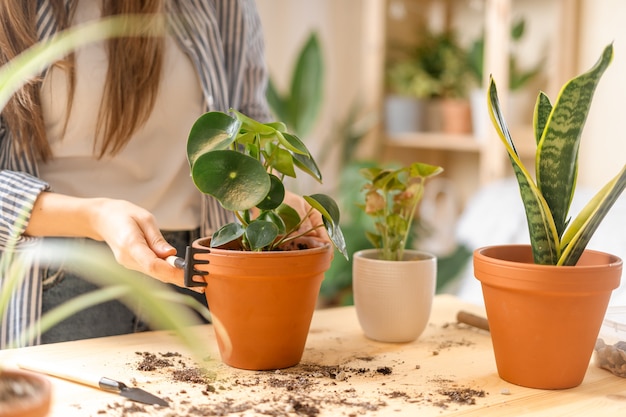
{"type": "Point", "coordinates": [131, 84]}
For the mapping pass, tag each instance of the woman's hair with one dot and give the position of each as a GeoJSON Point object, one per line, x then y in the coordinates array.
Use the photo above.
{"type": "Point", "coordinates": [131, 84]}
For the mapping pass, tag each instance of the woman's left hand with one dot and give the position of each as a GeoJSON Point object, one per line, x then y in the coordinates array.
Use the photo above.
{"type": "Point", "coordinates": [313, 223]}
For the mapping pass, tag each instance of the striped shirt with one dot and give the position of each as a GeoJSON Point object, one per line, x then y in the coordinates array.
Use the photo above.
{"type": "Point", "coordinates": [224, 40]}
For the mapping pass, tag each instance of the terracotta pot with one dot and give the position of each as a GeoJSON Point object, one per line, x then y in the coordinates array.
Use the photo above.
{"type": "Point", "coordinates": [36, 405]}
{"type": "Point", "coordinates": [456, 116]}
{"type": "Point", "coordinates": [262, 303]}
{"type": "Point", "coordinates": [544, 320]}
{"type": "Point", "coordinates": [393, 299]}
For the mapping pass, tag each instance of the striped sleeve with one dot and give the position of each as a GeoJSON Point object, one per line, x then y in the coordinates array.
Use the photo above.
{"type": "Point", "coordinates": [18, 192]}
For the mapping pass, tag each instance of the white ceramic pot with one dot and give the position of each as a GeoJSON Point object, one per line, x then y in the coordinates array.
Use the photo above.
{"type": "Point", "coordinates": [393, 299]}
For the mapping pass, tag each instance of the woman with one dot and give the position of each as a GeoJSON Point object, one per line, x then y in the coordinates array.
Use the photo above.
{"type": "Point", "coordinates": [96, 149]}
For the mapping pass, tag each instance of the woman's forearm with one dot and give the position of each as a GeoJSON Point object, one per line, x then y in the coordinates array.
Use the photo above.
{"type": "Point", "coordinates": [66, 216]}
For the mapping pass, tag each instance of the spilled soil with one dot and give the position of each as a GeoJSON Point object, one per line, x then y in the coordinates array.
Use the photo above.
{"type": "Point", "coordinates": [307, 389]}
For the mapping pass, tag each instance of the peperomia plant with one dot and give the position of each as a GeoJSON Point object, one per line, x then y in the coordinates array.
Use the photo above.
{"type": "Point", "coordinates": [554, 237]}
{"type": "Point", "coordinates": [242, 162]}
{"type": "Point", "coordinates": [391, 199]}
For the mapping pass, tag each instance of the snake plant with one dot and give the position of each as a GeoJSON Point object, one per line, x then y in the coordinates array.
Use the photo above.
{"type": "Point", "coordinates": [555, 238]}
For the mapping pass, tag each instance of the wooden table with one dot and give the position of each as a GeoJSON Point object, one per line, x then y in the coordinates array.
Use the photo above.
{"type": "Point", "coordinates": [449, 371]}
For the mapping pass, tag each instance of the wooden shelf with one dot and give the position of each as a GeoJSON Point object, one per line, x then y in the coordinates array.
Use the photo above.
{"type": "Point", "coordinates": [438, 141]}
{"type": "Point", "coordinates": [435, 141]}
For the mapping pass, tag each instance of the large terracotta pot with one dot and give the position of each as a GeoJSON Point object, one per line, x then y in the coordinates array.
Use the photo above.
{"type": "Point", "coordinates": [262, 303]}
{"type": "Point", "coordinates": [544, 320]}
{"type": "Point", "coordinates": [393, 299]}
{"type": "Point", "coordinates": [36, 404]}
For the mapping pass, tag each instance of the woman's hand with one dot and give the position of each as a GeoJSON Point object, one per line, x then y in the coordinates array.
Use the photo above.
{"type": "Point", "coordinates": [135, 240]}
{"type": "Point", "coordinates": [130, 231]}
{"type": "Point", "coordinates": [316, 237]}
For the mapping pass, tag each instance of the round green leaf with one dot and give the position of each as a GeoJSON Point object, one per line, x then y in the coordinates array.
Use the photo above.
{"type": "Point", "coordinates": [211, 131]}
{"type": "Point", "coordinates": [275, 196]}
{"type": "Point", "coordinates": [325, 205]}
{"type": "Point", "coordinates": [237, 181]}
{"type": "Point", "coordinates": [273, 217]}
{"type": "Point", "coordinates": [226, 234]}
{"type": "Point", "coordinates": [289, 215]}
{"type": "Point", "coordinates": [260, 234]}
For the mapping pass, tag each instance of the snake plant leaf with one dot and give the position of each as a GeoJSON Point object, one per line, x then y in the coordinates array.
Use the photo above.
{"type": "Point", "coordinates": [227, 233]}
{"type": "Point", "coordinates": [557, 152]}
{"type": "Point", "coordinates": [211, 131]}
{"type": "Point", "coordinates": [237, 181]}
{"type": "Point", "coordinates": [543, 236]}
{"type": "Point", "coordinates": [580, 231]}
{"type": "Point", "coordinates": [543, 107]}
{"type": "Point", "coordinates": [261, 233]}
{"type": "Point", "coordinates": [330, 216]}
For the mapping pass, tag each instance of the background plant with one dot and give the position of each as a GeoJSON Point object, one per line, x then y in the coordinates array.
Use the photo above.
{"type": "Point", "coordinates": [437, 66]}
{"type": "Point", "coordinates": [518, 77]}
{"type": "Point", "coordinates": [242, 163]}
{"type": "Point", "coordinates": [555, 238]}
{"type": "Point", "coordinates": [299, 107]}
{"type": "Point", "coordinates": [391, 198]}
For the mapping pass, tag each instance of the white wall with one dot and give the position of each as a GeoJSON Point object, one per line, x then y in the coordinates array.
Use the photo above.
{"type": "Point", "coordinates": [603, 151]}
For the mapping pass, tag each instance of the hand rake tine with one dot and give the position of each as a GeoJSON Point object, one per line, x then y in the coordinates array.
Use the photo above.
{"type": "Point", "coordinates": [190, 266]}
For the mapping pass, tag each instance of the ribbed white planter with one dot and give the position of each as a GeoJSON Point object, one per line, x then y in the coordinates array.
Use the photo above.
{"type": "Point", "coordinates": [393, 299]}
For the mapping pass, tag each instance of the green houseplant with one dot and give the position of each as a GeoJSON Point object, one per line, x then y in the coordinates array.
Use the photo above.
{"type": "Point", "coordinates": [447, 63]}
{"type": "Point", "coordinates": [299, 106]}
{"type": "Point", "coordinates": [392, 197]}
{"type": "Point", "coordinates": [518, 77]}
{"type": "Point", "coordinates": [393, 286]}
{"type": "Point", "coordinates": [545, 301]}
{"type": "Point", "coordinates": [242, 162]}
{"type": "Point", "coordinates": [162, 306]}
{"type": "Point", "coordinates": [519, 99]}
{"type": "Point", "coordinates": [437, 67]}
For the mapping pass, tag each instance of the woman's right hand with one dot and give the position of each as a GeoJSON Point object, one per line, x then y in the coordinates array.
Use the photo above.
{"type": "Point", "coordinates": [130, 231]}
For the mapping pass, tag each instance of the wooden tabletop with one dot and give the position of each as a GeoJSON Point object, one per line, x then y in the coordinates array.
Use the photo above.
{"type": "Point", "coordinates": [449, 371]}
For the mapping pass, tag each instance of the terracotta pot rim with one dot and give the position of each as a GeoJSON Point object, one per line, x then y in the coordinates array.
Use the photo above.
{"type": "Point", "coordinates": [482, 253]}
{"type": "Point", "coordinates": [527, 276]}
{"type": "Point", "coordinates": [265, 254]}
{"type": "Point", "coordinates": [363, 253]}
